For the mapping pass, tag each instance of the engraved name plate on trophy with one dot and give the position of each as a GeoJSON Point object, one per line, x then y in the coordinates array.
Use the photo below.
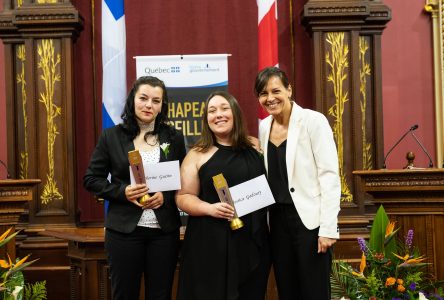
{"type": "Point", "coordinates": [225, 196]}
{"type": "Point", "coordinates": [136, 164]}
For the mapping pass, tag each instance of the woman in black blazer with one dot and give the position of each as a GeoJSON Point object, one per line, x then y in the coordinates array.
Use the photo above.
{"type": "Point", "coordinates": [139, 238]}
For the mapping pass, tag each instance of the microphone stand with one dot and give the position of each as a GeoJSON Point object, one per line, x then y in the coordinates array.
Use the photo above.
{"type": "Point", "coordinates": [414, 127]}
{"type": "Point", "coordinates": [424, 150]}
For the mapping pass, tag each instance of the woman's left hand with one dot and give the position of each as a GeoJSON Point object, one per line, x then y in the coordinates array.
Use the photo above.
{"type": "Point", "coordinates": [154, 201]}
{"type": "Point", "coordinates": [324, 243]}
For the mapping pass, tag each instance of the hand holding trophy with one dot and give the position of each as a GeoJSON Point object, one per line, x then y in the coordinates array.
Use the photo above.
{"type": "Point", "coordinates": [225, 196]}
{"type": "Point", "coordinates": [139, 174]}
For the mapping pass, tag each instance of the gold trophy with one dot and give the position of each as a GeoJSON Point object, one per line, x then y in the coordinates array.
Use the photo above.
{"type": "Point", "coordinates": [225, 196]}
{"type": "Point", "coordinates": [139, 174]}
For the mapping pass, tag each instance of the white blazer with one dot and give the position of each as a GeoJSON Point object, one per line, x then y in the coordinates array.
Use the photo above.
{"type": "Point", "coordinates": [312, 168]}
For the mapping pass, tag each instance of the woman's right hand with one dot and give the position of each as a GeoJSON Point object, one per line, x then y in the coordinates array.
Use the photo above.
{"type": "Point", "coordinates": [134, 192]}
{"type": "Point", "coordinates": [221, 210]}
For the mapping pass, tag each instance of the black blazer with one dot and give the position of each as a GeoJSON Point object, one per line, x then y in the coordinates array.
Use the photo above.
{"type": "Point", "coordinates": [111, 157]}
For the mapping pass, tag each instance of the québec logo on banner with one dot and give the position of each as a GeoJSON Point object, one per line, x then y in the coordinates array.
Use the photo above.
{"type": "Point", "coordinates": [162, 70]}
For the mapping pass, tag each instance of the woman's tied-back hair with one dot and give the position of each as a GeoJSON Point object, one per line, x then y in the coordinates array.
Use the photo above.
{"type": "Point", "coordinates": [129, 117]}
{"type": "Point", "coordinates": [264, 76]}
{"type": "Point", "coordinates": [239, 133]}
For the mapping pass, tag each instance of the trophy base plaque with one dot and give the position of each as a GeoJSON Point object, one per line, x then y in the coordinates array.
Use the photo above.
{"type": "Point", "coordinates": [143, 199]}
{"type": "Point", "coordinates": [236, 223]}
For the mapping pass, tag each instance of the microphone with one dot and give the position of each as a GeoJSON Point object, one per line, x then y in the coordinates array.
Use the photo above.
{"type": "Point", "coordinates": [425, 151]}
{"type": "Point", "coordinates": [8, 176]}
{"type": "Point", "coordinates": [414, 127]}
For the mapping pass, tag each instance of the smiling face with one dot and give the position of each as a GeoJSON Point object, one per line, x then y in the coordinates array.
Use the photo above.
{"type": "Point", "coordinates": [148, 103]}
{"type": "Point", "coordinates": [275, 97]}
{"type": "Point", "coordinates": [220, 117]}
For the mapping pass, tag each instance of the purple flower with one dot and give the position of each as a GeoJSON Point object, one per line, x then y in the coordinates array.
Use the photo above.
{"type": "Point", "coordinates": [362, 245]}
{"type": "Point", "coordinates": [409, 238]}
{"type": "Point", "coordinates": [412, 286]}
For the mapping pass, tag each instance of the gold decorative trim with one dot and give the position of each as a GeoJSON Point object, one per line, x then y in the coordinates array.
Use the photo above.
{"type": "Point", "coordinates": [436, 10]}
{"type": "Point", "coordinates": [407, 182]}
{"type": "Point", "coordinates": [14, 193]}
{"type": "Point", "coordinates": [364, 73]}
{"type": "Point", "coordinates": [42, 17]}
{"type": "Point", "coordinates": [19, 3]}
{"type": "Point", "coordinates": [379, 14]}
{"type": "Point", "coordinates": [46, 1]}
{"type": "Point", "coordinates": [6, 24]}
{"type": "Point", "coordinates": [337, 9]}
{"type": "Point", "coordinates": [48, 62]}
{"type": "Point", "coordinates": [431, 180]}
{"type": "Point", "coordinates": [337, 60]}
{"type": "Point", "coordinates": [21, 56]}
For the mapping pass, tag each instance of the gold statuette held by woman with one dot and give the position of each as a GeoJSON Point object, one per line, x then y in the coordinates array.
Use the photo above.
{"type": "Point", "coordinates": [136, 164]}
{"type": "Point", "coordinates": [225, 196]}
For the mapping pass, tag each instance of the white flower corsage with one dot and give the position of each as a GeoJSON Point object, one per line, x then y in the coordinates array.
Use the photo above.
{"type": "Point", "coordinates": [165, 148]}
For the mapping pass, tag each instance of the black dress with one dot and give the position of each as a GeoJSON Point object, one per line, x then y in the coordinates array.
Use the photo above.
{"type": "Point", "coordinates": [217, 262]}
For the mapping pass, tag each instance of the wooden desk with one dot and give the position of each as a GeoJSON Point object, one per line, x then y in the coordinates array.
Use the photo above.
{"type": "Point", "coordinates": [89, 272]}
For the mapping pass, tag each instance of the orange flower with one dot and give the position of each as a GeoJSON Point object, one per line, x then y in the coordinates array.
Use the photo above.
{"type": "Point", "coordinates": [404, 258]}
{"type": "Point", "coordinates": [389, 229]}
{"type": "Point", "coordinates": [401, 288]}
{"type": "Point", "coordinates": [399, 281]}
{"type": "Point", "coordinates": [410, 261]}
{"type": "Point", "coordinates": [5, 234]}
{"type": "Point", "coordinates": [361, 266]}
{"type": "Point", "coordinates": [390, 281]}
{"type": "Point", "coordinates": [4, 264]}
{"type": "Point", "coordinates": [20, 262]}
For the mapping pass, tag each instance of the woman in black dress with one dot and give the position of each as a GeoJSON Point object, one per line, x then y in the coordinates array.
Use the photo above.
{"type": "Point", "coordinates": [217, 262]}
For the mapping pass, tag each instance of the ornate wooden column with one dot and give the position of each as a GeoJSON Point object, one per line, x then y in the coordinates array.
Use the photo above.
{"type": "Point", "coordinates": [38, 37]}
{"type": "Point", "coordinates": [436, 10]}
{"type": "Point", "coordinates": [347, 74]}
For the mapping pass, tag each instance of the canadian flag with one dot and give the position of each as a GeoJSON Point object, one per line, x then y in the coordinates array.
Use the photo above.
{"type": "Point", "coordinates": [267, 38]}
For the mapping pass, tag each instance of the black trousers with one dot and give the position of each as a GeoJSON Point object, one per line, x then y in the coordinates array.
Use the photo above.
{"type": "Point", "coordinates": [301, 273]}
{"type": "Point", "coordinates": [145, 251]}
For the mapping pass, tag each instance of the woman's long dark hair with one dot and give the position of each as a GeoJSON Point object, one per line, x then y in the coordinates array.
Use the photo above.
{"type": "Point", "coordinates": [239, 133]}
{"type": "Point", "coordinates": [129, 116]}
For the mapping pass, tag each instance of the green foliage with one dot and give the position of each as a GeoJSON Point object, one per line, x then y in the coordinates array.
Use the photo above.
{"type": "Point", "coordinates": [36, 291]}
{"type": "Point", "coordinates": [341, 284]}
{"type": "Point", "coordinates": [12, 281]}
{"type": "Point", "coordinates": [377, 234]}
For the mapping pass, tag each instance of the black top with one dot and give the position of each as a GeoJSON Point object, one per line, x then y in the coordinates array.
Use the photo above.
{"type": "Point", "coordinates": [216, 260]}
{"type": "Point", "coordinates": [277, 172]}
{"type": "Point", "coordinates": [111, 157]}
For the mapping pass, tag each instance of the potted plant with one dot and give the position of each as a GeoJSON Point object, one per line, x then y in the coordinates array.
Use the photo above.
{"type": "Point", "coordinates": [389, 268]}
{"type": "Point", "coordinates": [12, 282]}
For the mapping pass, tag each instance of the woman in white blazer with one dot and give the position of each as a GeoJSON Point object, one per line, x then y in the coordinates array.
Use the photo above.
{"type": "Point", "coordinates": [302, 165]}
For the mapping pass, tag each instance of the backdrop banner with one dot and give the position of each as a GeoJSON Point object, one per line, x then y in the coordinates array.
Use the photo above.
{"type": "Point", "coordinates": [189, 80]}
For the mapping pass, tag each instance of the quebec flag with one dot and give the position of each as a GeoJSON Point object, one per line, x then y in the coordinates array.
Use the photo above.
{"type": "Point", "coordinates": [114, 63]}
